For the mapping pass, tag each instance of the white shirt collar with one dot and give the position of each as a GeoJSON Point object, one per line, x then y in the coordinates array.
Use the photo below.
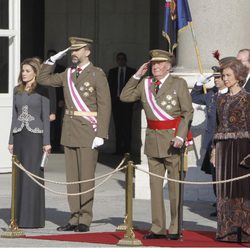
{"type": "Point", "coordinates": [223, 91]}
{"type": "Point", "coordinates": [164, 79]}
{"type": "Point", "coordinates": [119, 68]}
{"type": "Point", "coordinates": [84, 66]}
{"type": "Point", "coordinates": [248, 76]}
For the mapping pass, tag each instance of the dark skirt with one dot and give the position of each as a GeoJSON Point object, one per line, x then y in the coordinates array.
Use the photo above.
{"type": "Point", "coordinates": [30, 197]}
{"type": "Point", "coordinates": [233, 199]}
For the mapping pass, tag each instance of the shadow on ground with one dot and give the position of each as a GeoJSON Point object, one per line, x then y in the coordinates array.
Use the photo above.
{"type": "Point", "coordinates": [52, 214]}
{"type": "Point", "coordinates": [113, 160]}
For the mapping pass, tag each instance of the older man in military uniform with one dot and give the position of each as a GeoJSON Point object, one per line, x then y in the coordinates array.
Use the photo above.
{"type": "Point", "coordinates": [85, 125]}
{"type": "Point", "coordinates": [168, 108]}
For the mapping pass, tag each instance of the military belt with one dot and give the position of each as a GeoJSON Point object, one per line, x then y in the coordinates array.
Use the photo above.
{"type": "Point", "coordinates": [79, 113]}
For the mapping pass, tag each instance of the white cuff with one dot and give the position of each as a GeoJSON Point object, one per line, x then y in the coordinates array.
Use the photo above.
{"type": "Point", "coordinates": [49, 62]}
{"type": "Point", "coordinates": [199, 84]}
{"type": "Point", "coordinates": [136, 77]}
{"type": "Point", "coordinates": [180, 138]}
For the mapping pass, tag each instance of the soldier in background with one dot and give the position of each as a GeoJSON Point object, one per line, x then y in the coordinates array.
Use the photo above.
{"type": "Point", "coordinates": [122, 112]}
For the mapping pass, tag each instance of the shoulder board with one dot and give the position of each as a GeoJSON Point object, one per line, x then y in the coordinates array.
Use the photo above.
{"type": "Point", "coordinates": [99, 69]}
{"type": "Point", "coordinates": [176, 77]}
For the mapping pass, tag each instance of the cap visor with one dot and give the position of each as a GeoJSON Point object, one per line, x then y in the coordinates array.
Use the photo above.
{"type": "Point", "coordinates": [77, 46]}
{"type": "Point", "coordinates": [159, 59]}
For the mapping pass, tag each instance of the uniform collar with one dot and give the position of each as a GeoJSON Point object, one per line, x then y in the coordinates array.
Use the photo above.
{"type": "Point", "coordinates": [223, 91]}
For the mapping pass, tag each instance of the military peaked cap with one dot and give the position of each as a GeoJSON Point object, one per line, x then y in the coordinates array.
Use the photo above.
{"type": "Point", "coordinates": [78, 42]}
{"type": "Point", "coordinates": [160, 55]}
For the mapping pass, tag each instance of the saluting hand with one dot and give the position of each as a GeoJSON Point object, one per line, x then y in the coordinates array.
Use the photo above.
{"type": "Point", "coordinates": [142, 70]}
{"type": "Point", "coordinates": [58, 56]}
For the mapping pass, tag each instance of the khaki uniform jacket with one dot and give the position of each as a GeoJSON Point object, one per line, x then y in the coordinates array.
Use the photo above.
{"type": "Point", "coordinates": [175, 99]}
{"type": "Point", "coordinates": [92, 85]}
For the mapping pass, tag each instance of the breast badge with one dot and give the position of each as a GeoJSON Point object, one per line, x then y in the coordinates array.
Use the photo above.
{"type": "Point", "coordinates": [163, 103]}
{"type": "Point", "coordinates": [168, 107]}
{"type": "Point", "coordinates": [173, 102]}
{"type": "Point", "coordinates": [169, 97]}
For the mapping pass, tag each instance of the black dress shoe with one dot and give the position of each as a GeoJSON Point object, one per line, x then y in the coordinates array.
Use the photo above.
{"type": "Point", "coordinates": [173, 236]}
{"type": "Point", "coordinates": [213, 214]}
{"type": "Point", "coordinates": [67, 227]}
{"type": "Point", "coordinates": [151, 236]}
{"type": "Point", "coordinates": [82, 228]}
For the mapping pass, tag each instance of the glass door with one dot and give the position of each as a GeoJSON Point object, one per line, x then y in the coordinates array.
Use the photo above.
{"type": "Point", "coordinates": [9, 68]}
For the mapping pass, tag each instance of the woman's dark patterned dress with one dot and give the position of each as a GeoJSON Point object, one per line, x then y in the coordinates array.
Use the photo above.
{"type": "Point", "coordinates": [232, 140]}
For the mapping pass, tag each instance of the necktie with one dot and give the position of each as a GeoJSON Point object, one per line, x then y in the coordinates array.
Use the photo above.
{"type": "Point", "coordinates": [121, 80]}
{"type": "Point", "coordinates": [157, 86]}
{"type": "Point", "coordinates": [78, 71]}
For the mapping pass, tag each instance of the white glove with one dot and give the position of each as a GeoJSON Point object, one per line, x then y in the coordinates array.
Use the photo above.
{"type": "Point", "coordinates": [202, 80]}
{"type": "Point", "coordinates": [97, 142]}
{"type": "Point", "coordinates": [58, 56]}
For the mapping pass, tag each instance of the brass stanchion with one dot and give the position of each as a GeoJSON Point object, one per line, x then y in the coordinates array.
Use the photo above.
{"type": "Point", "coordinates": [123, 227]}
{"type": "Point", "coordinates": [129, 237]}
{"type": "Point", "coordinates": [13, 231]}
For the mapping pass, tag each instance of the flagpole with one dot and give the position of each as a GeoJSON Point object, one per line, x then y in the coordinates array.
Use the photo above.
{"type": "Point", "coordinates": [197, 54]}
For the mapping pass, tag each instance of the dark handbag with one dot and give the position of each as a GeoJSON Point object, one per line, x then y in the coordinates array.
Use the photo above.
{"type": "Point", "coordinates": [246, 161]}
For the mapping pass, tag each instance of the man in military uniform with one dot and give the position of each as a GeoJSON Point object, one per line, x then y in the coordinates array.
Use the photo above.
{"type": "Point", "coordinates": [168, 108]}
{"type": "Point", "coordinates": [85, 125]}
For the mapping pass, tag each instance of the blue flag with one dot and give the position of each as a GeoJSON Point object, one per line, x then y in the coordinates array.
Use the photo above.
{"type": "Point", "coordinates": [177, 16]}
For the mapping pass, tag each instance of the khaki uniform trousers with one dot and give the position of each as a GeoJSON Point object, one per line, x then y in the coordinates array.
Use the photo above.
{"type": "Point", "coordinates": [80, 165]}
{"type": "Point", "coordinates": [159, 166]}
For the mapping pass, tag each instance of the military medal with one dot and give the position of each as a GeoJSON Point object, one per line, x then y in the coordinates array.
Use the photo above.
{"type": "Point", "coordinates": [163, 103]}
{"type": "Point", "coordinates": [169, 97]}
{"type": "Point", "coordinates": [173, 102]}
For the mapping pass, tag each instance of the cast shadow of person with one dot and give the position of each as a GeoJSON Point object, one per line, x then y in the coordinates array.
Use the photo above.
{"type": "Point", "coordinates": [53, 215]}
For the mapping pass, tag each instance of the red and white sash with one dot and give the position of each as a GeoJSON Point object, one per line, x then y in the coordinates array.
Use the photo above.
{"type": "Point", "coordinates": [80, 105]}
{"type": "Point", "coordinates": [161, 114]}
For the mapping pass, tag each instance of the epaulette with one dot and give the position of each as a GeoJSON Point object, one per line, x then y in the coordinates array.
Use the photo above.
{"type": "Point", "coordinates": [176, 77]}
{"type": "Point", "coordinates": [99, 69]}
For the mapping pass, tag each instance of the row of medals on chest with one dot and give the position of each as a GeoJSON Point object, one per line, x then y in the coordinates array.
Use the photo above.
{"type": "Point", "coordinates": [86, 88]}
{"type": "Point", "coordinates": [169, 101]}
